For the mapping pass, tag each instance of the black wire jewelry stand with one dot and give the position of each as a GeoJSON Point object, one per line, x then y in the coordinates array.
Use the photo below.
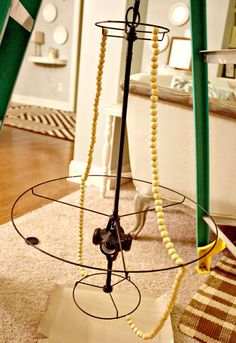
{"type": "Point", "coordinates": [113, 240]}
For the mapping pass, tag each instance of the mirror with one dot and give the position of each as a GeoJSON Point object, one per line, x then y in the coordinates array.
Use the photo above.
{"type": "Point", "coordinates": [60, 35]}
{"type": "Point", "coordinates": [179, 14]}
{"type": "Point", "coordinates": [180, 53]}
{"type": "Point", "coordinates": [49, 12]}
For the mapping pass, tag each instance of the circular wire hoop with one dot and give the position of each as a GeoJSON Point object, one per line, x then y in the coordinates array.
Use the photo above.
{"type": "Point", "coordinates": [118, 313]}
{"type": "Point", "coordinates": [143, 30]}
{"type": "Point", "coordinates": [33, 190]}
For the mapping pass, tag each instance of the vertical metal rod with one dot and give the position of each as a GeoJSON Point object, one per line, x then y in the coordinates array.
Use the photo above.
{"type": "Point", "coordinates": [131, 38]}
{"type": "Point", "coordinates": [136, 10]}
{"type": "Point", "coordinates": [108, 287]}
{"type": "Point", "coordinates": [200, 106]}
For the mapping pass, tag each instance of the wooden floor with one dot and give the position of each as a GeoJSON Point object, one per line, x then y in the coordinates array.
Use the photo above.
{"type": "Point", "coordinates": [27, 159]}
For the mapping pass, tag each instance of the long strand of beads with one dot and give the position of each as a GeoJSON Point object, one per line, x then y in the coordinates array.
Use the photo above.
{"type": "Point", "coordinates": [158, 201]}
{"type": "Point", "coordinates": [91, 148]}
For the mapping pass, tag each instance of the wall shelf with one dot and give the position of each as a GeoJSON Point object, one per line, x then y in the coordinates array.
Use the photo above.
{"type": "Point", "coordinates": [222, 56]}
{"type": "Point", "coordinates": [47, 60]}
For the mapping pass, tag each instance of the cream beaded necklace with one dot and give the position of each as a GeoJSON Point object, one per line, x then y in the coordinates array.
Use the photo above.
{"type": "Point", "coordinates": [155, 181]}
{"type": "Point", "coordinates": [158, 201]}
{"type": "Point", "coordinates": [91, 148]}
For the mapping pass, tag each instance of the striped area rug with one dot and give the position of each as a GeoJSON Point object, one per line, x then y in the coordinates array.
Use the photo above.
{"type": "Point", "coordinates": [211, 315]}
{"type": "Point", "coordinates": [46, 121]}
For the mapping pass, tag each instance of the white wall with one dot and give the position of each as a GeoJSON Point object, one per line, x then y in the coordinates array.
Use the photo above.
{"type": "Point", "coordinates": [52, 86]}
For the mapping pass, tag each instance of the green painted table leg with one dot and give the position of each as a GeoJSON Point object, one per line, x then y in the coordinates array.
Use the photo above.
{"type": "Point", "coordinates": [200, 106]}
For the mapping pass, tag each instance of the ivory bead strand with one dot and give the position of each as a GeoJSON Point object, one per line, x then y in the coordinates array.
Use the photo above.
{"type": "Point", "coordinates": [91, 148]}
{"type": "Point", "coordinates": [158, 202]}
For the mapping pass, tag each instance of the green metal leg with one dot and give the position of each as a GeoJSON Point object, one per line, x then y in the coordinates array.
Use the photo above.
{"type": "Point", "coordinates": [12, 49]}
{"type": "Point", "coordinates": [200, 106]}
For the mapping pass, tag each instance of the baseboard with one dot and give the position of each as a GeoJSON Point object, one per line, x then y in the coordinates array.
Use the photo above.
{"type": "Point", "coordinates": [34, 101]}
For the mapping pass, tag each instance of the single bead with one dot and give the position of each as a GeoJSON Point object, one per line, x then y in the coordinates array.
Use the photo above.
{"type": "Point", "coordinates": [158, 201]}
{"type": "Point", "coordinates": [99, 72]}
{"type": "Point", "coordinates": [155, 190]}
{"type": "Point", "coordinates": [154, 38]}
{"type": "Point", "coordinates": [154, 119]}
{"type": "Point", "coordinates": [153, 151]}
{"type": "Point", "coordinates": [155, 30]}
{"type": "Point", "coordinates": [154, 65]}
{"type": "Point", "coordinates": [154, 160]}
{"type": "Point", "coordinates": [175, 257]}
{"type": "Point", "coordinates": [152, 145]}
{"type": "Point", "coordinates": [153, 78]}
{"type": "Point", "coordinates": [153, 106]}
{"type": "Point", "coordinates": [155, 92]}
{"type": "Point", "coordinates": [169, 245]}
{"type": "Point", "coordinates": [161, 221]}
{"type": "Point", "coordinates": [171, 251]}
{"type": "Point", "coordinates": [153, 139]}
{"type": "Point", "coordinates": [155, 173]}
{"type": "Point", "coordinates": [154, 98]}
{"type": "Point", "coordinates": [156, 198]}
{"type": "Point", "coordinates": [154, 132]}
{"type": "Point", "coordinates": [153, 72]}
{"type": "Point", "coordinates": [164, 234]}
{"type": "Point", "coordinates": [146, 336]}
{"type": "Point", "coordinates": [158, 209]}
{"type": "Point", "coordinates": [162, 228]}
{"type": "Point", "coordinates": [160, 215]}
{"type": "Point", "coordinates": [154, 59]}
{"type": "Point", "coordinates": [155, 184]}
{"type": "Point", "coordinates": [153, 112]}
{"type": "Point", "coordinates": [156, 51]}
{"type": "Point", "coordinates": [179, 261]}
{"type": "Point", "coordinates": [154, 45]}
{"type": "Point", "coordinates": [166, 240]}
{"type": "Point", "coordinates": [154, 85]}
{"type": "Point", "coordinates": [139, 333]}
{"type": "Point", "coordinates": [154, 157]}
